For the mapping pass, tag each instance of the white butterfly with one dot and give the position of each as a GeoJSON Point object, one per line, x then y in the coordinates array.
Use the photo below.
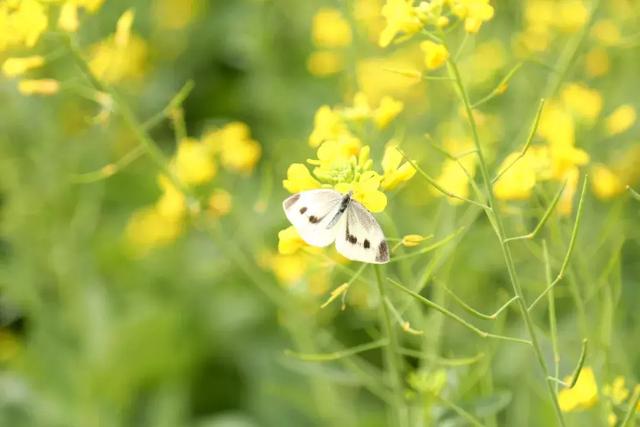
{"type": "Point", "coordinates": [324, 216]}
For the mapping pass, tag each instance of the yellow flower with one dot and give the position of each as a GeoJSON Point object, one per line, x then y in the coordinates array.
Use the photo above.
{"type": "Point", "coordinates": [557, 125]}
{"type": "Point", "coordinates": [597, 62]}
{"type": "Point", "coordinates": [474, 13]}
{"type": "Point", "coordinates": [39, 87]}
{"type": "Point", "coordinates": [289, 241]}
{"type": "Point", "coordinates": [22, 23]}
{"type": "Point", "coordinates": [435, 54]}
{"type": "Point", "coordinates": [454, 179]}
{"type": "Point", "coordinates": [123, 28]}
{"type": "Point", "coordinates": [565, 205]}
{"type": "Point", "coordinates": [171, 204]}
{"type": "Point", "coordinates": [606, 32]}
{"type": "Point", "coordinates": [582, 396]}
{"type": "Point", "coordinates": [113, 63]}
{"type": "Point", "coordinates": [565, 158]}
{"type": "Point", "coordinates": [365, 190]}
{"type": "Point", "coordinates": [617, 390]}
{"type": "Point", "coordinates": [360, 109]}
{"type": "Point", "coordinates": [605, 183]}
{"type": "Point", "coordinates": [238, 152]}
{"type": "Point", "coordinates": [220, 203]}
{"type": "Point", "coordinates": [335, 161]}
{"type": "Point", "coordinates": [194, 162]}
{"type": "Point", "coordinates": [299, 179]}
{"type": "Point", "coordinates": [411, 240]}
{"type": "Point", "coordinates": [327, 125]}
{"type": "Point", "coordinates": [324, 63]}
{"type": "Point", "coordinates": [288, 269]}
{"type": "Point", "coordinates": [388, 110]}
{"type": "Point", "coordinates": [68, 20]}
{"type": "Point", "coordinates": [570, 15]}
{"type": "Point", "coordinates": [518, 181]}
{"type": "Point", "coordinates": [621, 119]}
{"type": "Point", "coordinates": [584, 102]}
{"type": "Point", "coordinates": [148, 228]}
{"type": "Point", "coordinates": [13, 67]}
{"type": "Point", "coordinates": [401, 17]}
{"type": "Point", "coordinates": [395, 172]}
{"type": "Point", "coordinates": [330, 29]}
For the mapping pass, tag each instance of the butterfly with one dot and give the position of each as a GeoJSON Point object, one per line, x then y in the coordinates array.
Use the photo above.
{"type": "Point", "coordinates": [324, 216]}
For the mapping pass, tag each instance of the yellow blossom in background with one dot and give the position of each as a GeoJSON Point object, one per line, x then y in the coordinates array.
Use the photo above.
{"type": "Point", "coordinates": [436, 54]}
{"type": "Point", "coordinates": [176, 14]}
{"type": "Point", "coordinates": [583, 395]}
{"type": "Point", "coordinates": [289, 241]}
{"type": "Point", "coordinates": [220, 202]}
{"type": "Point", "coordinates": [299, 179]}
{"type": "Point", "coordinates": [518, 181]}
{"type": "Point", "coordinates": [238, 151]}
{"type": "Point", "coordinates": [328, 125]}
{"type": "Point", "coordinates": [395, 171]}
{"type": "Point", "coordinates": [557, 125]}
{"type": "Point", "coordinates": [324, 63]}
{"type": "Point", "coordinates": [330, 29]}
{"type": "Point", "coordinates": [412, 240]}
{"type": "Point", "coordinates": [617, 390]}
{"type": "Point", "coordinates": [620, 120]}
{"type": "Point", "coordinates": [597, 62]}
{"type": "Point", "coordinates": [375, 79]}
{"type": "Point", "coordinates": [21, 23]}
{"type": "Point", "coordinates": [68, 20]}
{"type": "Point", "coordinates": [288, 269]}
{"type": "Point", "coordinates": [360, 109]}
{"type": "Point", "coordinates": [365, 190]}
{"type": "Point", "coordinates": [606, 32]}
{"type": "Point", "coordinates": [584, 102]}
{"type": "Point", "coordinates": [194, 163]}
{"type": "Point", "coordinates": [39, 87]}
{"type": "Point", "coordinates": [387, 111]}
{"type": "Point", "coordinates": [565, 205]}
{"type": "Point", "coordinates": [473, 12]}
{"type": "Point", "coordinates": [113, 63]}
{"type": "Point", "coordinates": [605, 183]}
{"type": "Point", "coordinates": [123, 28]}
{"type": "Point", "coordinates": [401, 18]}
{"type": "Point", "coordinates": [148, 228]}
{"type": "Point", "coordinates": [454, 179]}
{"type": "Point", "coordinates": [13, 67]}
{"type": "Point", "coordinates": [172, 203]}
{"type": "Point", "coordinates": [570, 15]}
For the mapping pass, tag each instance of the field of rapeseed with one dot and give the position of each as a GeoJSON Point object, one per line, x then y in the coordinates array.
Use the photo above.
{"type": "Point", "coordinates": [148, 273]}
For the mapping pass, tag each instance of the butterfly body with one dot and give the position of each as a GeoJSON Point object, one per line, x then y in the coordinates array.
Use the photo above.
{"type": "Point", "coordinates": [325, 216]}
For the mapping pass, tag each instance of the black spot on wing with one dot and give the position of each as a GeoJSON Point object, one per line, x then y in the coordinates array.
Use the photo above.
{"type": "Point", "coordinates": [366, 244]}
{"type": "Point", "coordinates": [314, 219]}
{"type": "Point", "coordinates": [383, 252]}
{"type": "Point", "coordinates": [291, 200]}
{"type": "Point", "coordinates": [303, 210]}
{"type": "Point", "coordinates": [352, 239]}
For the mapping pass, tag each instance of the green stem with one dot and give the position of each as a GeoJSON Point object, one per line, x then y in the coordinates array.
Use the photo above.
{"type": "Point", "coordinates": [392, 352]}
{"type": "Point", "coordinates": [496, 219]}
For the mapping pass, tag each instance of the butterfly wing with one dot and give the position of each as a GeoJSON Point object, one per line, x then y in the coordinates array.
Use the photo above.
{"type": "Point", "coordinates": [360, 237]}
{"type": "Point", "coordinates": [310, 212]}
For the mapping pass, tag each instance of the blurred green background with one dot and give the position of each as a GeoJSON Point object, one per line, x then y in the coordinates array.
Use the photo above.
{"type": "Point", "coordinates": [195, 332]}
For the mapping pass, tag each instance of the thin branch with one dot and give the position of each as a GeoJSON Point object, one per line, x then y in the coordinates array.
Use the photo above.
{"type": "Point", "coordinates": [337, 355]}
{"type": "Point", "coordinates": [459, 361]}
{"type": "Point", "coordinates": [500, 88]}
{"type": "Point", "coordinates": [553, 324]}
{"type": "Point", "coordinates": [438, 186]}
{"type": "Point", "coordinates": [578, 369]}
{"type": "Point", "coordinates": [475, 312]}
{"type": "Point", "coordinates": [453, 316]}
{"type": "Point", "coordinates": [461, 412]}
{"type": "Point", "coordinates": [523, 152]}
{"type": "Point", "coordinates": [543, 220]}
{"type": "Point", "coordinates": [630, 415]}
{"type": "Point", "coordinates": [110, 169]}
{"type": "Point", "coordinates": [633, 193]}
{"type": "Point", "coordinates": [404, 324]}
{"type": "Point", "coordinates": [572, 243]}
{"type": "Point", "coordinates": [431, 247]}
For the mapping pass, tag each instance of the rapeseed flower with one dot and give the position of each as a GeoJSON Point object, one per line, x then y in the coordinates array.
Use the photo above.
{"type": "Point", "coordinates": [436, 54]}
{"type": "Point", "coordinates": [13, 67]}
{"type": "Point", "coordinates": [401, 18]}
{"type": "Point", "coordinates": [583, 395]}
{"type": "Point", "coordinates": [22, 23]}
{"type": "Point", "coordinates": [330, 29]}
{"type": "Point", "coordinates": [605, 183]}
{"type": "Point", "coordinates": [39, 87]}
{"type": "Point", "coordinates": [395, 171]}
{"type": "Point", "coordinates": [620, 120]}
{"type": "Point", "coordinates": [473, 12]}
{"type": "Point", "coordinates": [233, 143]}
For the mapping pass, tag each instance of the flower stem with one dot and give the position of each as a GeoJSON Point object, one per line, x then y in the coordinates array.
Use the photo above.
{"type": "Point", "coordinates": [496, 219]}
{"type": "Point", "coordinates": [392, 352]}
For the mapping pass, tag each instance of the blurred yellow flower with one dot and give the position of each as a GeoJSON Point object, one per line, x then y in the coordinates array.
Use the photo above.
{"type": "Point", "coordinates": [13, 67]}
{"type": "Point", "coordinates": [325, 62]}
{"type": "Point", "coordinates": [411, 240]}
{"type": "Point", "coordinates": [330, 29]}
{"type": "Point", "coordinates": [288, 269]}
{"type": "Point", "coordinates": [68, 19]}
{"type": "Point", "coordinates": [401, 17]}
{"type": "Point", "coordinates": [176, 14]}
{"type": "Point", "coordinates": [123, 28]}
{"type": "Point", "coordinates": [194, 162]}
{"type": "Point", "coordinates": [570, 15]}
{"type": "Point", "coordinates": [584, 102]}
{"type": "Point", "coordinates": [557, 125]}
{"type": "Point", "coordinates": [435, 54]}
{"type": "Point", "coordinates": [289, 241]}
{"type": "Point", "coordinates": [474, 13]}
{"type": "Point", "coordinates": [39, 87]}
{"type": "Point", "coordinates": [360, 110]}
{"type": "Point", "coordinates": [238, 152]}
{"type": "Point", "coordinates": [454, 179]}
{"type": "Point", "coordinates": [617, 390]}
{"type": "Point", "coordinates": [171, 204]}
{"type": "Point", "coordinates": [621, 119]}
{"type": "Point", "coordinates": [327, 125]}
{"type": "Point", "coordinates": [605, 183]}
{"type": "Point", "coordinates": [597, 62]}
{"type": "Point", "coordinates": [148, 228]}
{"type": "Point", "coordinates": [583, 395]}
{"type": "Point", "coordinates": [606, 32]}
{"type": "Point", "coordinates": [220, 203]}
{"type": "Point", "coordinates": [365, 190]}
{"type": "Point", "coordinates": [21, 23]}
{"type": "Point", "coordinates": [113, 63]}
{"type": "Point", "coordinates": [571, 177]}
{"type": "Point", "coordinates": [395, 171]}
{"type": "Point", "coordinates": [387, 111]}
{"type": "Point", "coordinates": [299, 179]}
{"type": "Point", "coordinates": [518, 181]}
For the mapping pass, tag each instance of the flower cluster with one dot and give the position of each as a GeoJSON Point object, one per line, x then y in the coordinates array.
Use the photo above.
{"type": "Point", "coordinates": [405, 18]}
{"type": "Point", "coordinates": [331, 33]}
{"type": "Point", "coordinates": [195, 165]}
